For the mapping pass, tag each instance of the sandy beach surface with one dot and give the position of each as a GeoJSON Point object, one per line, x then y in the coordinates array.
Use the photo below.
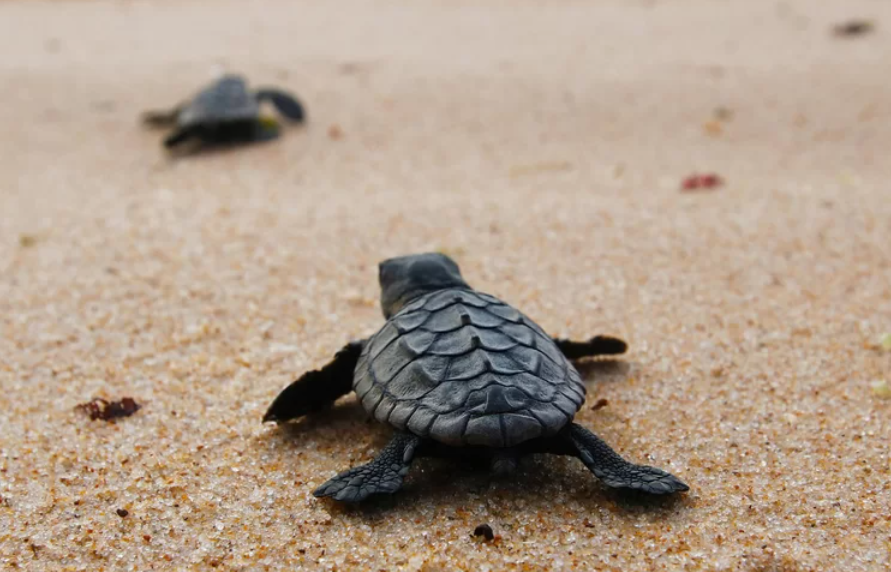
{"type": "Point", "coordinates": [542, 145]}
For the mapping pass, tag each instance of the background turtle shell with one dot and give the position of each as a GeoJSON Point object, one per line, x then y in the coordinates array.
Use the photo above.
{"type": "Point", "coordinates": [464, 368]}
{"type": "Point", "coordinates": [226, 100]}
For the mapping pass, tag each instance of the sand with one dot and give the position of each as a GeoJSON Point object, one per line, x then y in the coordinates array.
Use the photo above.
{"type": "Point", "coordinates": [543, 146]}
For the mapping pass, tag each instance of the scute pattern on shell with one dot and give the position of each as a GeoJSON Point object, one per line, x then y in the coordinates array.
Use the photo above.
{"type": "Point", "coordinates": [464, 368]}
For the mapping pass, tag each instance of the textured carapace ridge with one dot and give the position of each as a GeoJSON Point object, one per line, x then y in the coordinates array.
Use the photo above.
{"type": "Point", "coordinates": [464, 368]}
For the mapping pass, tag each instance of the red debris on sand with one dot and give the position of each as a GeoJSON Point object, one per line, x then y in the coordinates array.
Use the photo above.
{"type": "Point", "coordinates": [700, 182]}
{"type": "Point", "coordinates": [335, 132]}
{"type": "Point", "coordinates": [106, 410]}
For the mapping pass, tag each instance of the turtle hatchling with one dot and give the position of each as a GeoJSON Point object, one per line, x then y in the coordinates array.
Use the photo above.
{"type": "Point", "coordinates": [226, 112]}
{"type": "Point", "coordinates": [458, 372]}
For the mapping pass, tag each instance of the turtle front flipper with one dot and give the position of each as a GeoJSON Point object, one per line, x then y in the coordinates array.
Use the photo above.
{"type": "Point", "coordinates": [161, 118]}
{"type": "Point", "coordinates": [616, 472]}
{"type": "Point", "coordinates": [286, 104]}
{"type": "Point", "coordinates": [318, 388]}
{"type": "Point", "coordinates": [596, 346]}
{"type": "Point", "coordinates": [383, 475]}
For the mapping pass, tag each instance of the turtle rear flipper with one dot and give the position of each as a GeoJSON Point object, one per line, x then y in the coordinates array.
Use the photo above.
{"type": "Point", "coordinates": [286, 104]}
{"type": "Point", "coordinates": [181, 135]}
{"type": "Point", "coordinates": [383, 475]}
{"type": "Point", "coordinates": [596, 346]}
{"type": "Point", "coordinates": [616, 472]}
{"type": "Point", "coordinates": [316, 389]}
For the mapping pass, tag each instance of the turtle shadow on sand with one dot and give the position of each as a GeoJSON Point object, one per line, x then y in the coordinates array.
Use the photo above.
{"type": "Point", "coordinates": [540, 480]}
{"type": "Point", "coordinates": [444, 482]}
{"type": "Point", "coordinates": [207, 150]}
{"type": "Point", "coordinates": [603, 370]}
{"type": "Point", "coordinates": [540, 484]}
{"type": "Point", "coordinates": [346, 420]}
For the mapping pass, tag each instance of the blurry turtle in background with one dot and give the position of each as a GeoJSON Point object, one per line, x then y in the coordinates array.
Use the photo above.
{"type": "Point", "coordinates": [226, 112]}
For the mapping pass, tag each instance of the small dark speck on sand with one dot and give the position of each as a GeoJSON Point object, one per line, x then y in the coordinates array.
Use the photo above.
{"type": "Point", "coordinates": [599, 404]}
{"type": "Point", "coordinates": [122, 512]}
{"type": "Point", "coordinates": [723, 113]}
{"type": "Point", "coordinates": [106, 410]}
{"type": "Point", "coordinates": [485, 531]}
{"type": "Point", "coordinates": [853, 28]}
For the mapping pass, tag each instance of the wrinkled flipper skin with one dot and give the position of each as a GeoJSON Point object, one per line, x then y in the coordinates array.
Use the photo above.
{"type": "Point", "coordinates": [596, 346]}
{"type": "Point", "coordinates": [318, 388]}
{"type": "Point", "coordinates": [616, 472]}
{"type": "Point", "coordinates": [383, 475]}
{"type": "Point", "coordinates": [286, 104]}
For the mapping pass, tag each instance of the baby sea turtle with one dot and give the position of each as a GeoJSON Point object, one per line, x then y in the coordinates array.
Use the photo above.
{"type": "Point", "coordinates": [226, 112]}
{"type": "Point", "coordinates": [459, 372]}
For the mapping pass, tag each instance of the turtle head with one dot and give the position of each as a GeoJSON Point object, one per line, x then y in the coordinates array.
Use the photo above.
{"type": "Point", "coordinates": [406, 277]}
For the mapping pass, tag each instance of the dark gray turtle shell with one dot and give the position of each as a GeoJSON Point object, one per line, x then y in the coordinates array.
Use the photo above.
{"type": "Point", "coordinates": [226, 100]}
{"type": "Point", "coordinates": [464, 368]}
